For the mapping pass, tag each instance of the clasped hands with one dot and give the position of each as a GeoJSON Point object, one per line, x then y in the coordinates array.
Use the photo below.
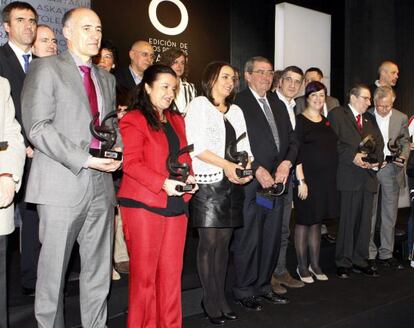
{"type": "Point", "coordinates": [267, 181]}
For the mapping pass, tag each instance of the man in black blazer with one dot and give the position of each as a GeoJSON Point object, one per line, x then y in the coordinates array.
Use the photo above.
{"type": "Point", "coordinates": [357, 181]}
{"type": "Point", "coordinates": [20, 23]}
{"type": "Point", "coordinates": [142, 56]}
{"type": "Point", "coordinates": [256, 245]}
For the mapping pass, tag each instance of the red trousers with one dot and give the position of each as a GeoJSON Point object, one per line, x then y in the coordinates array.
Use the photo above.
{"type": "Point", "coordinates": [156, 246]}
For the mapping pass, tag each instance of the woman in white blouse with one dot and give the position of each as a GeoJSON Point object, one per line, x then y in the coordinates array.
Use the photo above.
{"type": "Point", "coordinates": [212, 122]}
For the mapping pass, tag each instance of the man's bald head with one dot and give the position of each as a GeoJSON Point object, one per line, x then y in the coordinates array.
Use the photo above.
{"type": "Point", "coordinates": [83, 32]}
{"type": "Point", "coordinates": [388, 74]}
{"type": "Point", "coordinates": [142, 56]}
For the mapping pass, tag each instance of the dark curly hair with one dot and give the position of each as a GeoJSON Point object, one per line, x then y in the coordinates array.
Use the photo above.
{"type": "Point", "coordinates": [170, 55]}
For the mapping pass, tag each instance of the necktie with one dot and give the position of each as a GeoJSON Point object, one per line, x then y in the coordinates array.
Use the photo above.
{"type": "Point", "coordinates": [271, 120]}
{"type": "Point", "coordinates": [93, 99]}
{"type": "Point", "coordinates": [26, 62]}
{"type": "Point", "coordinates": [359, 122]}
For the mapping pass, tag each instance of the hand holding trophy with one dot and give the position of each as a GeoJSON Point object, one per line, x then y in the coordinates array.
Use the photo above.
{"type": "Point", "coordinates": [106, 135]}
{"type": "Point", "coordinates": [367, 146]}
{"type": "Point", "coordinates": [180, 171]}
{"type": "Point", "coordinates": [395, 150]}
{"type": "Point", "coordinates": [239, 157]}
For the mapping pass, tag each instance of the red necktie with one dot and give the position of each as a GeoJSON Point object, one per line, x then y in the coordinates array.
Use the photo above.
{"type": "Point", "coordinates": [359, 122]}
{"type": "Point", "coordinates": [93, 99]}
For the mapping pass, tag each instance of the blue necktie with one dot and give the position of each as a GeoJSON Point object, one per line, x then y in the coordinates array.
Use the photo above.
{"type": "Point", "coordinates": [26, 62]}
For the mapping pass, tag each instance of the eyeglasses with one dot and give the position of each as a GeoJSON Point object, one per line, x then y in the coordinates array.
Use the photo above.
{"type": "Point", "coordinates": [365, 98]}
{"type": "Point", "coordinates": [264, 73]}
{"type": "Point", "coordinates": [290, 80]}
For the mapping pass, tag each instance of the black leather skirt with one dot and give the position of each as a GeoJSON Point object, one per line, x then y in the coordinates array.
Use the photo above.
{"type": "Point", "coordinates": [217, 205]}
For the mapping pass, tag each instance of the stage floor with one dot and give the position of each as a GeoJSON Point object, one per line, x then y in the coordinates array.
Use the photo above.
{"type": "Point", "coordinates": [386, 301]}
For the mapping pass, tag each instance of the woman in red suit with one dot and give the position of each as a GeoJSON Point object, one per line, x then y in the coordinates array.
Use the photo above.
{"type": "Point", "coordinates": [153, 211]}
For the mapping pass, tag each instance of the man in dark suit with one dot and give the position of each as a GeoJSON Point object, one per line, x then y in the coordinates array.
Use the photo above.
{"type": "Point", "coordinates": [142, 56]}
{"type": "Point", "coordinates": [357, 181]}
{"type": "Point", "coordinates": [20, 22]}
{"type": "Point", "coordinates": [73, 190]}
{"type": "Point", "coordinates": [256, 245]}
{"type": "Point", "coordinates": [315, 74]}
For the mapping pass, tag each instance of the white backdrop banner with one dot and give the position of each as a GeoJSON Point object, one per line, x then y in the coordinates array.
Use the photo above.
{"type": "Point", "coordinates": [50, 13]}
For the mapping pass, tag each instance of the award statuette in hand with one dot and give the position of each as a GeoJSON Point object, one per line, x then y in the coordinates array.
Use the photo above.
{"type": "Point", "coordinates": [367, 146]}
{"type": "Point", "coordinates": [106, 134]}
{"type": "Point", "coordinates": [396, 150]}
{"type": "Point", "coordinates": [180, 171]}
{"type": "Point", "coordinates": [239, 157]}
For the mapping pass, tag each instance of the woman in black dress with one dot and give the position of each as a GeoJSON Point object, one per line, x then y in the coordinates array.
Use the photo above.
{"type": "Point", "coordinates": [315, 199]}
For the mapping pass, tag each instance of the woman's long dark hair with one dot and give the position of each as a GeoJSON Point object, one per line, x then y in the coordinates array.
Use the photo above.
{"type": "Point", "coordinates": [210, 76]}
{"type": "Point", "coordinates": [139, 98]}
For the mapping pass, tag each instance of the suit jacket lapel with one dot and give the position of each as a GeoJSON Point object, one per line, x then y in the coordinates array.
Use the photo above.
{"type": "Point", "coordinates": [351, 117]}
{"type": "Point", "coordinates": [259, 114]}
{"type": "Point", "coordinates": [101, 90]}
{"type": "Point", "coordinates": [74, 78]}
{"type": "Point", "coordinates": [14, 61]}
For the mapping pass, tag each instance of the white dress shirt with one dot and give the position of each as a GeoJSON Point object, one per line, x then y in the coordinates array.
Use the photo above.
{"type": "Point", "coordinates": [384, 126]}
{"type": "Point", "coordinates": [290, 105]}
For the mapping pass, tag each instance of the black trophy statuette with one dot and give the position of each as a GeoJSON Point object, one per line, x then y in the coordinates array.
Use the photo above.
{"type": "Point", "coordinates": [106, 134]}
{"type": "Point", "coordinates": [367, 146]}
{"type": "Point", "coordinates": [180, 171]}
{"type": "Point", "coordinates": [395, 150]}
{"type": "Point", "coordinates": [3, 145]}
{"type": "Point", "coordinates": [239, 157]}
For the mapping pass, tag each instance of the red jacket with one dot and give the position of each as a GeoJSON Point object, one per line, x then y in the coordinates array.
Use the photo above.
{"type": "Point", "coordinates": [145, 158]}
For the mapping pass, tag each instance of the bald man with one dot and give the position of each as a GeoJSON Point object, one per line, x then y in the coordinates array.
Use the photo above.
{"type": "Point", "coordinates": [73, 190]}
{"type": "Point", "coordinates": [141, 55]}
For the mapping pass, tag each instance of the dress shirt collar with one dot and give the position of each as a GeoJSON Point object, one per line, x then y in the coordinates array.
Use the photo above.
{"type": "Point", "coordinates": [258, 97]}
{"type": "Point", "coordinates": [354, 112]}
{"type": "Point", "coordinates": [137, 78]}
{"type": "Point", "coordinates": [379, 117]}
{"type": "Point", "coordinates": [289, 103]}
{"type": "Point", "coordinates": [19, 53]}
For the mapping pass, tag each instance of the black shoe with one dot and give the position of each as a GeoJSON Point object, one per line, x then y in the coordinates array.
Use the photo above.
{"type": "Point", "coordinates": [274, 298]}
{"type": "Point", "coordinates": [367, 271]}
{"type": "Point", "coordinates": [331, 239]}
{"type": "Point", "coordinates": [250, 303]}
{"type": "Point", "coordinates": [214, 320]}
{"type": "Point", "coordinates": [28, 291]}
{"type": "Point", "coordinates": [342, 272]}
{"type": "Point", "coordinates": [230, 315]}
{"type": "Point", "coordinates": [373, 264]}
{"type": "Point", "coordinates": [391, 263]}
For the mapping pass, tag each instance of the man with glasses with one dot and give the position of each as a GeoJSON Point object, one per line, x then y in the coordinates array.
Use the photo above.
{"type": "Point", "coordinates": [394, 128]}
{"type": "Point", "coordinates": [289, 86]}
{"type": "Point", "coordinates": [357, 181]}
{"type": "Point", "coordinates": [142, 56]}
{"type": "Point", "coordinates": [256, 245]}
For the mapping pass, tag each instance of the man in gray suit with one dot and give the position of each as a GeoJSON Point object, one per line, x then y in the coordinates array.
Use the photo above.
{"type": "Point", "coordinates": [73, 191]}
{"type": "Point", "coordinates": [315, 74]}
{"type": "Point", "coordinates": [391, 177]}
